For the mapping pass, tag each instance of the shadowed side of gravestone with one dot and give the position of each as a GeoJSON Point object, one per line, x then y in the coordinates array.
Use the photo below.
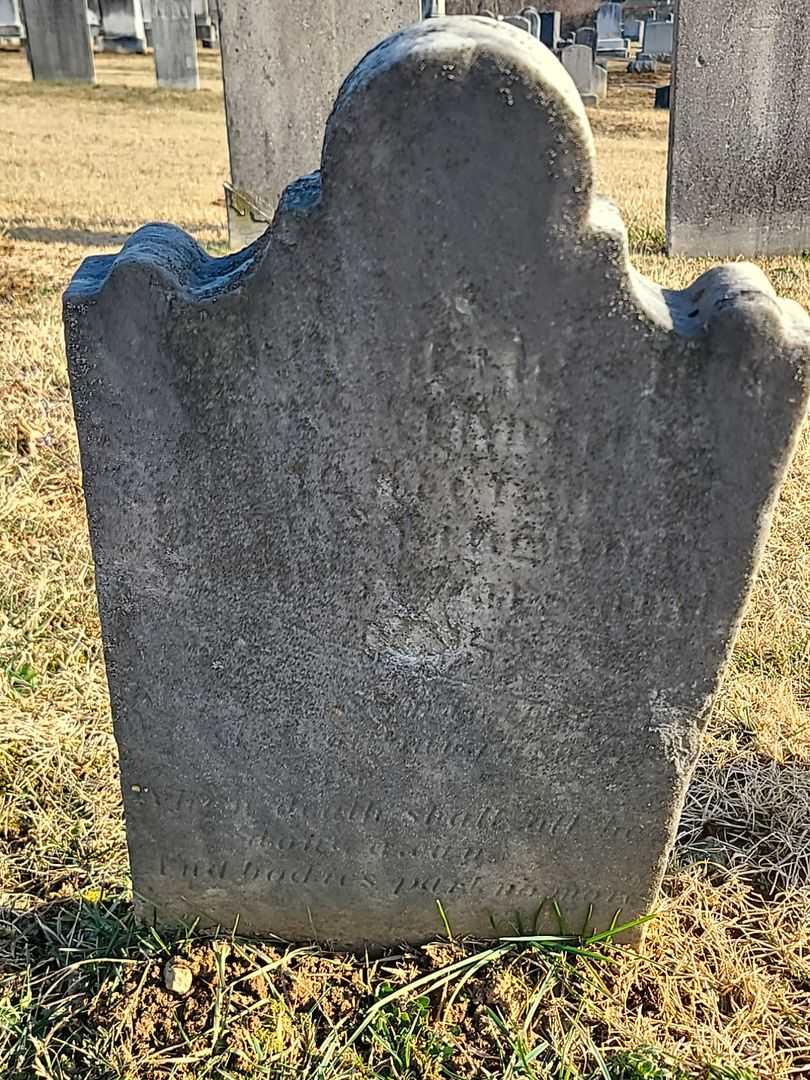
{"type": "Point", "coordinates": [415, 572]}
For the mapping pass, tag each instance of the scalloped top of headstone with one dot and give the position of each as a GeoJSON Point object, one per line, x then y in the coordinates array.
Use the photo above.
{"type": "Point", "coordinates": [423, 525]}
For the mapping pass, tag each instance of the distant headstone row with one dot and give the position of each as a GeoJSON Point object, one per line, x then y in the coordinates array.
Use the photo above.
{"type": "Point", "coordinates": [60, 36]}
{"type": "Point", "coordinates": [618, 37]}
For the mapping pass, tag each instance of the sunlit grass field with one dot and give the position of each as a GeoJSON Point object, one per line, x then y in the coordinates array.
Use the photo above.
{"type": "Point", "coordinates": [722, 989]}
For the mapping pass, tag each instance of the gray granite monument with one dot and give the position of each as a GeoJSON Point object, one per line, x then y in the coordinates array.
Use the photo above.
{"type": "Point", "coordinates": [415, 583]}
{"type": "Point", "coordinates": [282, 65]}
{"type": "Point", "coordinates": [739, 182]}
{"type": "Point", "coordinates": [609, 38]}
{"type": "Point", "coordinates": [175, 43]}
{"type": "Point", "coordinates": [58, 41]}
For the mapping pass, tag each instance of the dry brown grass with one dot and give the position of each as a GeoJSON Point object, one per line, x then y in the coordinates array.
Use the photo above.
{"type": "Point", "coordinates": [726, 974]}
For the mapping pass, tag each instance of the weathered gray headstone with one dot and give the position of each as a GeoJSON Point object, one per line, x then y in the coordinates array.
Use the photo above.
{"type": "Point", "coordinates": [415, 594]}
{"type": "Point", "coordinates": [175, 42]}
{"type": "Point", "coordinates": [739, 181]}
{"type": "Point", "coordinates": [658, 38]}
{"type": "Point", "coordinates": [122, 27]}
{"type": "Point", "coordinates": [520, 21]}
{"type": "Point", "coordinates": [11, 25]}
{"type": "Point", "coordinates": [281, 77]}
{"type": "Point", "coordinates": [58, 40]}
{"type": "Point", "coordinates": [578, 62]}
{"type": "Point", "coordinates": [633, 30]}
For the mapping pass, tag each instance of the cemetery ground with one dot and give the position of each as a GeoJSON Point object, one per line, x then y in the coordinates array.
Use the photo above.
{"type": "Point", "coordinates": [722, 989]}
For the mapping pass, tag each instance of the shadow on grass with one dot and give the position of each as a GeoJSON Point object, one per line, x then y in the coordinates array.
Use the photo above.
{"type": "Point", "coordinates": [86, 237]}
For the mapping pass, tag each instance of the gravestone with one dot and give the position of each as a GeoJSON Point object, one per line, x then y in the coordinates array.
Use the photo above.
{"type": "Point", "coordinates": [578, 62]}
{"type": "Point", "coordinates": [609, 29]}
{"type": "Point", "coordinates": [175, 42]}
{"type": "Point", "coordinates": [633, 31]}
{"type": "Point", "coordinates": [58, 41]}
{"type": "Point", "coordinates": [662, 95]}
{"type": "Point", "coordinates": [207, 33]}
{"type": "Point", "coordinates": [599, 77]}
{"type": "Point", "coordinates": [739, 182]}
{"type": "Point", "coordinates": [535, 22]}
{"type": "Point", "coordinates": [520, 22]}
{"type": "Point", "coordinates": [280, 80]}
{"type": "Point", "coordinates": [146, 8]}
{"type": "Point", "coordinates": [586, 35]}
{"type": "Point", "coordinates": [658, 39]}
{"type": "Point", "coordinates": [550, 29]}
{"type": "Point", "coordinates": [11, 24]}
{"type": "Point", "coordinates": [122, 26]}
{"type": "Point", "coordinates": [415, 583]}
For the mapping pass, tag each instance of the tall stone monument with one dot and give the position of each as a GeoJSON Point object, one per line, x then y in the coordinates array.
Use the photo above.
{"type": "Point", "coordinates": [282, 63]}
{"type": "Point", "coordinates": [58, 40]}
{"type": "Point", "coordinates": [609, 37]}
{"type": "Point", "coordinates": [415, 582]}
{"type": "Point", "coordinates": [174, 36]}
{"type": "Point", "coordinates": [739, 182]}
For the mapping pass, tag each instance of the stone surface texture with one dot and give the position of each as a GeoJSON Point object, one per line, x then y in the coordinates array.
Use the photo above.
{"type": "Point", "coordinates": [282, 64]}
{"type": "Point", "coordinates": [739, 182]}
{"type": "Point", "coordinates": [416, 572]}
{"type": "Point", "coordinates": [58, 40]}
{"type": "Point", "coordinates": [174, 35]}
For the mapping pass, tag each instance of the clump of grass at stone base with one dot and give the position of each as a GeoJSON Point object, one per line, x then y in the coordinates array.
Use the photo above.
{"type": "Point", "coordinates": [89, 998]}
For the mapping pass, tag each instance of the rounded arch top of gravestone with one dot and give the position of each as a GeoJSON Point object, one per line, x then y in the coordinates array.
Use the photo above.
{"type": "Point", "coordinates": [461, 109]}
